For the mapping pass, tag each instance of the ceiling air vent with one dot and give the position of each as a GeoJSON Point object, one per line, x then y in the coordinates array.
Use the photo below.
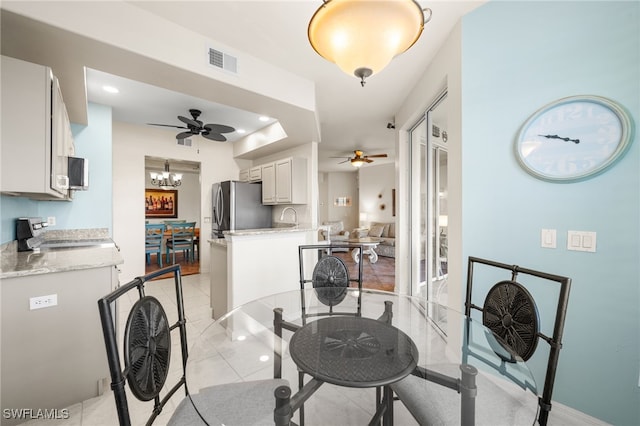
{"type": "Point", "coordinates": [223, 61]}
{"type": "Point", "coordinates": [184, 142]}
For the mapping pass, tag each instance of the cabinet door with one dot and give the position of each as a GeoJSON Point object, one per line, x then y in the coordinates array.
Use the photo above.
{"type": "Point", "coordinates": [283, 181]}
{"type": "Point", "coordinates": [255, 174]}
{"type": "Point", "coordinates": [244, 175]}
{"type": "Point", "coordinates": [59, 141]}
{"type": "Point", "coordinates": [268, 184]}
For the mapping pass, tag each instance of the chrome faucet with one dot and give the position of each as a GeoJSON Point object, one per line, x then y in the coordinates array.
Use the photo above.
{"type": "Point", "coordinates": [295, 214]}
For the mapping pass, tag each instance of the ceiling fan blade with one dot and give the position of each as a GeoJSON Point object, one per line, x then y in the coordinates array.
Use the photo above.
{"type": "Point", "coordinates": [214, 136]}
{"type": "Point", "coordinates": [365, 159]}
{"type": "Point", "coordinates": [376, 156]}
{"type": "Point", "coordinates": [189, 121]}
{"type": "Point", "coordinates": [167, 125]}
{"type": "Point", "coordinates": [219, 128]}
{"type": "Point", "coordinates": [184, 135]}
{"type": "Point", "coordinates": [342, 162]}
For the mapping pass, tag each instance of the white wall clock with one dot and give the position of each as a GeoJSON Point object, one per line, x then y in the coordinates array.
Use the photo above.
{"type": "Point", "coordinates": [573, 138]}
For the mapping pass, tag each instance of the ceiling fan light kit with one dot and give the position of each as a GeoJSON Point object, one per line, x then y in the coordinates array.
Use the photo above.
{"type": "Point", "coordinates": [359, 158]}
{"type": "Point", "coordinates": [363, 36]}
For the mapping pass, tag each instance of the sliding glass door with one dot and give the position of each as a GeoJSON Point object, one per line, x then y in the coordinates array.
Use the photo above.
{"type": "Point", "coordinates": [429, 208]}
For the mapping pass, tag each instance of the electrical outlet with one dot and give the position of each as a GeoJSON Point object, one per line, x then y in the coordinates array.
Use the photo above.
{"type": "Point", "coordinates": [51, 220]}
{"type": "Point", "coordinates": [43, 301]}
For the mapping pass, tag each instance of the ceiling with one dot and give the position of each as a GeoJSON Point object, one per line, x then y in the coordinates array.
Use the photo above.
{"type": "Point", "coordinates": [350, 116]}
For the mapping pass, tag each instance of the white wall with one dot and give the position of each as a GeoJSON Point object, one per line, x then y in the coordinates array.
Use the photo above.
{"type": "Point", "coordinates": [343, 184]}
{"type": "Point", "coordinates": [444, 72]}
{"type": "Point", "coordinates": [131, 143]}
{"type": "Point", "coordinates": [376, 184]}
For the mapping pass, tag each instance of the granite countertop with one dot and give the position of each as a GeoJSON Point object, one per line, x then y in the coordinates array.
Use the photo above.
{"type": "Point", "coordinates": [277, 228]}
{"type": "Point", "coordinates": [45, 261]}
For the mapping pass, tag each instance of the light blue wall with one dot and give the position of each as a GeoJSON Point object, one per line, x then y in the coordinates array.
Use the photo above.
{"type": "Point", "coordinates": [89, 209]}
{"type": "Point", "coordinates": [517, 57]}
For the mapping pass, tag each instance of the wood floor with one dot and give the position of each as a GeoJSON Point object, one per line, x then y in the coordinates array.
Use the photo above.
{"type": "Point", "coordinates": [188, 268]}
{"type": "Point", "coordinates": [376, 276]}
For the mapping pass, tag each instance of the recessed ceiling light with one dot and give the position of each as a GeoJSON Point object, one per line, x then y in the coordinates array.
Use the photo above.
{"type": "Point", "coordinates": [264, 118]}
{"type": "Point", "coordinates": [241, 131]}
{"type": "Point", "coordinates": [110, 89]}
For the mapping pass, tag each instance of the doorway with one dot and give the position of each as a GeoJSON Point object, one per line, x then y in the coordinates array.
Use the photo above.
{"type": "Point", "coordinates": [182, 203]}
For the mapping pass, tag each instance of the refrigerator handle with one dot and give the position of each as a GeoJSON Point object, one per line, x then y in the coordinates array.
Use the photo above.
{"type": "Point", "coordinates": [219, 206]}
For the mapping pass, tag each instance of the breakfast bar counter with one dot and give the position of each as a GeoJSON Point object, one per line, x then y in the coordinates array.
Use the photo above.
{"type": "Point", "coordinates": [249, 264]}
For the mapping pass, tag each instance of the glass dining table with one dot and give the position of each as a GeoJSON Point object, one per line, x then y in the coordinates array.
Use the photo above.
{"type": "Point", "coordinates": [343, 352]}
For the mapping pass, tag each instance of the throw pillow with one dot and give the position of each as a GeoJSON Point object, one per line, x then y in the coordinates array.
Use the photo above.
{"type": "Point", "coordinates": [376, 230]}
{"type": "Point", "coordinates": [392, 230]}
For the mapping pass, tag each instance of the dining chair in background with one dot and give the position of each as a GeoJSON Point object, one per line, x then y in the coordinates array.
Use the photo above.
{"type": "Point", "coordinates": [511, 313]}
{"type": "Point", "coordinates": [147, 351]}
{"type": "Point", "coordinates": [154, 234]}
{"type": "Point", "coordinates": [181, 239]}
{"type": "Point", "coordinates": [330, 275]}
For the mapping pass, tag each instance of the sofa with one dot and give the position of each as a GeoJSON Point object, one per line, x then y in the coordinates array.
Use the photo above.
{"type": "Point", "coordinates": [386, 233]}
{"type": "Point", "coordinates": [336, 232]}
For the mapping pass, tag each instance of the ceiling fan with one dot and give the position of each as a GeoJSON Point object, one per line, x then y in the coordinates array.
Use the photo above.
{"type": "Point", "coordinates": [359, 159]}
{"type": "Point", "coordinates": [195, 127]}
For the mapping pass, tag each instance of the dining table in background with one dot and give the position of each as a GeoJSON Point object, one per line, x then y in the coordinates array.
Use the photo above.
{"type": "Point", "coordinates": [245, 345]}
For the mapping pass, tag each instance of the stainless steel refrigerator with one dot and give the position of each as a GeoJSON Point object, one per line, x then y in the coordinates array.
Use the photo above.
{"type": "Point", "coordinates": [238, 205]}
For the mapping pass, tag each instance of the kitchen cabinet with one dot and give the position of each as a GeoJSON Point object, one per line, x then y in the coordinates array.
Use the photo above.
{"type": "Point", "coordinates": [54, 356]}
{"type": "Point", "coordinates": [36, 133]}
{"type": "Point", "coordinates": [269, 183]}
{"type": "Point", "coordinates": [255, 174]}
{"type": "Point", "coordinates": [285, 181]}
{"type": "Point", "coordinates": [291, 181]}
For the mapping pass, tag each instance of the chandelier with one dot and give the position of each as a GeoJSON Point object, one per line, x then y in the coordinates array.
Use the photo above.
{"type": "Point", "coordinates": [363, 36]}
{"type": "Point", "coordinates": [166, 179]}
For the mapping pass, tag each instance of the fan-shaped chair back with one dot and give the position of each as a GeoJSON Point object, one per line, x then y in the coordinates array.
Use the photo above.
{"type": "Point", "coordinates": [147, 351]}
{"type": "Point", "coordinates": [146, 366]}
{"type": "Point", "coordinates": [510, 311]}
{"type": "Point", "coordinates": [330, 276]}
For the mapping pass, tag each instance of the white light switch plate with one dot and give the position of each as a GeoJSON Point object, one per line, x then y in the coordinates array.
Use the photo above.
{"type": "Point", "coordinates": [581, 241]}
{"type": "Point", "coordinates": [548, 238]}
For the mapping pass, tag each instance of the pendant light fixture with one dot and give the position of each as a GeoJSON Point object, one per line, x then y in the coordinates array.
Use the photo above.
{"type": "Point", "coordinates": [166, 179]}
{"type": "Point", "coordinates": [363, 36]}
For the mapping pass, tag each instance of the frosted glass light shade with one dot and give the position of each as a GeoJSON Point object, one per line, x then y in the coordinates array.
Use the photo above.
{"type": "Point", "coordinates": [363, 36]}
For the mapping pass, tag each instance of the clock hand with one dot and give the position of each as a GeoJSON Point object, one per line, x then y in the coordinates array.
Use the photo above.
{"type": "Point", "coordinates": [576, 141]}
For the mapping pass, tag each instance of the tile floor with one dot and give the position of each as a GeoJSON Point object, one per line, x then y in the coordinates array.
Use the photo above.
{"type": "Point", "coordinates": [100, 411]}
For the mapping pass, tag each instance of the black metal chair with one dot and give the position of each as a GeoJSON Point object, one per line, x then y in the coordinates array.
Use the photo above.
{"type": "Point", "coordinates": [330, 276]}
{"type": "Point", "coordinates": [147, 351]}
{"type": "Point", "coordinates": [511, 313]}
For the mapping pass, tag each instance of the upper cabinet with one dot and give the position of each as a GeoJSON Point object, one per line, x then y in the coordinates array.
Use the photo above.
{"type": "Point", "coordinates": [35, 132]}
{"type": "Point", "coordinates": [268, 183]}
{"type": "Point", "coordinates": [285, 181]}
